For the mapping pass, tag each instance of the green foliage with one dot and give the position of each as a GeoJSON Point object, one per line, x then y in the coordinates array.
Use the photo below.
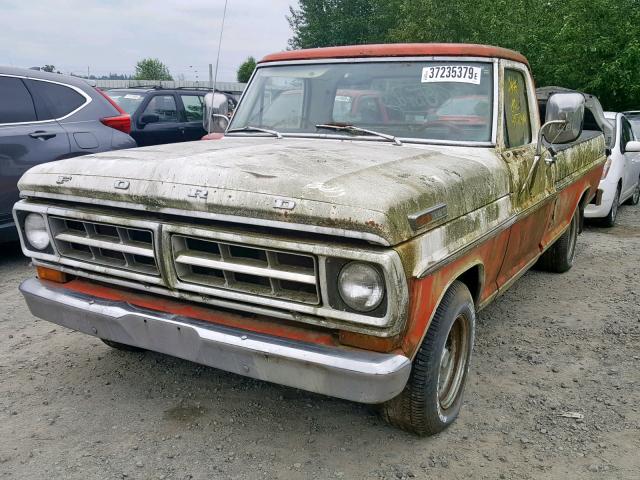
{"type": "Point", "coordinates": [318, 23]}
{"type": "Point", "coordinates": [49, 68]}
{"type": "Point", "coordinates": [246, 70]}
{"type": "Point", "coordinates": [589, 45]}
{"type": "Point", "coordinates": [152, 69]}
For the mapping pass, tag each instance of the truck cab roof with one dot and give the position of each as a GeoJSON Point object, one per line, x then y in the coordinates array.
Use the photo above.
{"type": "Point", "coordinates": [399, 50]}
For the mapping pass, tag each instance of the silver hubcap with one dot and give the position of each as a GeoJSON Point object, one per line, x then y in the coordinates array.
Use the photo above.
{"type": "Point", "coordinates": [636, 193]}
{"type": "Point", "coordinates": [453, 362]}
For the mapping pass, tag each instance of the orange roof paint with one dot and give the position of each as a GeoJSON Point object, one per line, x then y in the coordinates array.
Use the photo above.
{"type": "Point", "coordinates": [398, 50]}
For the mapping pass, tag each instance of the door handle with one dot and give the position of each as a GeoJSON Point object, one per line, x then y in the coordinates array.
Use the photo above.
{"type": "Point", "coordinates": [42, 135]}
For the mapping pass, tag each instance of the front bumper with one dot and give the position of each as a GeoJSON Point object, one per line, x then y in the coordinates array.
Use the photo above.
{"type": "Point", "coordinates": [357, 375]}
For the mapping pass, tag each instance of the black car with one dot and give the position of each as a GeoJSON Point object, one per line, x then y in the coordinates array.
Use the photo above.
{"type": "Point", "coordinates": [46, 117]}
{"type": "Point", "coordinates": [163, 115]}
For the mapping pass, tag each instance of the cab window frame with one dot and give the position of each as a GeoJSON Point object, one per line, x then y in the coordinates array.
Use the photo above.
{"type": "Point", "coordinates": [530, 114]}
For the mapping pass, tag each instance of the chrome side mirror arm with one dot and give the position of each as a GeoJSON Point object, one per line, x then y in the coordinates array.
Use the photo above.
{"type": "Point", "coordinates": [540, 152]}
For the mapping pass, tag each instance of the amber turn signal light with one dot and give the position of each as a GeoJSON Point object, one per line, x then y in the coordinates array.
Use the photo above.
{"type": "Point", "coordinates": [368, 342]}
{"type": "Point", "coordinates": [51, 275]}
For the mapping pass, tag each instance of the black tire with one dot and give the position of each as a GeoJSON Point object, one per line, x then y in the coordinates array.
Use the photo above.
{"type": "Point", "coordinates": [122, 346]}
{"type": "Point", "coordinates": [421, 408]}
{"type": "Point", "coordinates": [610, 220]}
{"type": "Point", "coordinates": [635, 198]}
{"type": "Point", "coordinates": [559, 257]}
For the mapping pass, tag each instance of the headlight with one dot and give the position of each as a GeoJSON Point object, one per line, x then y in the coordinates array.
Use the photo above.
{"type": "Point", "coordinates": [606, 168]}
{"type": "Point", "coordinates": [361, 286]}
{"type": "Point", "coordinates": [36, 231]}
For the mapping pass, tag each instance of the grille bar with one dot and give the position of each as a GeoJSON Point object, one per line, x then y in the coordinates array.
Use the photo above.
{"type": "Point", "coordinates": [104, 244]}
{"type": "Point", "coordinates": [243, 268]}
{"type": "Point", "coordinates": [239, 266]}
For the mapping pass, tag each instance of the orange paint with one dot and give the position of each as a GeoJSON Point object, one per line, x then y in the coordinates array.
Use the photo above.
{"type": "Point", "coordinates": [427, 292]}
{"type": "Point", "coordinates": [213, 136]}
{"type": "Point", "coordinates": [398, 50]}
{"type": "Point", "coordinates": [568, 200]}
{"type": "Point", "coordinates": [257, 324]}
{"type": "Point", "coordinates": [502, 256]}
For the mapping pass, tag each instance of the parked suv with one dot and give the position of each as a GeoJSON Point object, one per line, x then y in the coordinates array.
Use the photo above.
{"type": "Point", "coordinates": [162, 115]}
{"type": "Point", "coordinates": [45, 117]}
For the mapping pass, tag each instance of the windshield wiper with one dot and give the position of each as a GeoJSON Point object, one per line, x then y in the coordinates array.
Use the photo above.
{"type": "Point", "coordinates": [249, 128]}
{"type": "Point", "coordinates": [353, 130]}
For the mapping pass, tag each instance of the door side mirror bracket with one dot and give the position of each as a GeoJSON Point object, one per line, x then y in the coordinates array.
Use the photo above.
{"type": "Point", "coordinates": [543, 146]}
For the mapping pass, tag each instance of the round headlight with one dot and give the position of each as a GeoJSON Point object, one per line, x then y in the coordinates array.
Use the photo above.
{"type": "Point", "coordinates": [36, 231]}
{"type": "Point", "coordinates": [361, 286]}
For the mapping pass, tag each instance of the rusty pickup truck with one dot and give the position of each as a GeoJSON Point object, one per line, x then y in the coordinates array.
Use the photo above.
{"type": "Point", "coordinates": [337, 248]}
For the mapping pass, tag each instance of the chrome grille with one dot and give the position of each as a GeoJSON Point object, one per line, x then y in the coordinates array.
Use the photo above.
{"type": "Point", "coordinates": [105, 244]}
{"type": "Point", "coordinates": [247, 269]}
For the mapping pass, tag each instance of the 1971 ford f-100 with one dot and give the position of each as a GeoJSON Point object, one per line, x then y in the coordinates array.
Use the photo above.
{"type": "Point", "coordinates": [343, 249]}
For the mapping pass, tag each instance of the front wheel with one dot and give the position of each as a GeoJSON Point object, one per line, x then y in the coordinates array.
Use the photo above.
{"type": "Point", "coordinates": [432, 398]}
{"type": "Point", "coordinates": [559, 257]}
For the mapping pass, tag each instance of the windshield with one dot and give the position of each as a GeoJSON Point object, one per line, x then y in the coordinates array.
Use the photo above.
{"type": "Point", "coordinates": [445, 101]}
{"type": "Point", "coordinates": [126, 100]}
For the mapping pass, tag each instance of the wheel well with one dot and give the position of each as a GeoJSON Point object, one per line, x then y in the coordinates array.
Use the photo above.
{"type": "Point", "coordinates": [472, 278]}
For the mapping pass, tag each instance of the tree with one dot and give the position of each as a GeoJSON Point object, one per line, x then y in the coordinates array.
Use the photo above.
{"type": "Point", "coordinates": [152, 69]}
{"type": "Point", "coordinates": [588, 45]}
{"type": "Point", "coordinates": [323, 23]}
{"type": "Point", "coordinates": [246, 70]}
{"type": "Point", "coordinates": [49, 68]}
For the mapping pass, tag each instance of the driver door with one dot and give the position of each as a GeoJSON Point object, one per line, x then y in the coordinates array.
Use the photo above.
{"type": "Point", "coordinates": [531, 184]}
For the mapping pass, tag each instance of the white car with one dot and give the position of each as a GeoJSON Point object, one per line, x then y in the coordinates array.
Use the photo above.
{"type": "Point", "coordinates": [621, 175]}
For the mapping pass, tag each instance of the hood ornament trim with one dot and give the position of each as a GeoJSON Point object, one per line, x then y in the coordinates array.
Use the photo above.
{"type": "Point", "coordinates": [63, 179]}
{"type": "Point", "coordinates": [121, 184]}
{"type": "Point", "coordinates": [284, 204]}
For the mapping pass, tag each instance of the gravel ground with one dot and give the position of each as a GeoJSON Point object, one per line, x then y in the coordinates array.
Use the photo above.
{"type": "Point", "coordinates": [72, 408]}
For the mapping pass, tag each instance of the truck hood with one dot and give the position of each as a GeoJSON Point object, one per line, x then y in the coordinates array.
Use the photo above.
{"type": "Point", "coordinates": [363, 189]}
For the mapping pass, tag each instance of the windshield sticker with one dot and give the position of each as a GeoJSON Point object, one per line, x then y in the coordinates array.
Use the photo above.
{"type": "Point", "coordinates": [133, 97]}
{"type": "Point", "coordinates": [452, 73]}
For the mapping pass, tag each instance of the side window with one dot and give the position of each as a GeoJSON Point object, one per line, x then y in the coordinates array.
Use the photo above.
{"type": "Point", "coordinates": [193, 107]}
{"type": "Point", "coordinates": [16, 104]}
{"type": "Point", "coordinates": [164, 106]}
{"type": "Point", "coordinates": [60, 100]}
{"type": "Point", "coordinates": [517, 120]}
{"type": "Point", "coordinates": [627, 135]}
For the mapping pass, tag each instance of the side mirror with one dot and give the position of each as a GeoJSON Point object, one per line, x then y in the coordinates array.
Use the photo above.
{"type": "Point", "coordinates": [149, 118]}
{"type": "Point", "coordinates": [565, 116]}
{"type": "Point", "coordinates": [632, 147]}
{"type": "Point", "coordinates": [216, 109]}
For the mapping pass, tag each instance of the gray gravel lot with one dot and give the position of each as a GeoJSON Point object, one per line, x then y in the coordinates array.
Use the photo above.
{"type": "Point", "coordinates": [72, 408]}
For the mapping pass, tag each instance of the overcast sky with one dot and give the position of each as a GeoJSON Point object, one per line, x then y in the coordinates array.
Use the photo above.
{"type": "Point", "coordinates": [112, 35]}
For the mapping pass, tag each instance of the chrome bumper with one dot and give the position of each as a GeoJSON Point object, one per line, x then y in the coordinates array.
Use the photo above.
{"type": "Point", "coordinates": [357, 375]}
